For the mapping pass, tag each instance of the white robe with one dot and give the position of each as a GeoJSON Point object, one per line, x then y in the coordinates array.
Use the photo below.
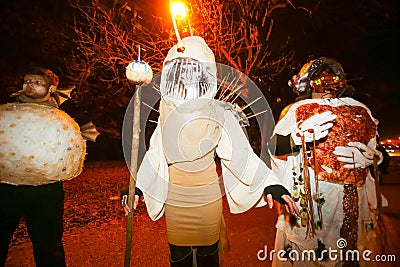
{"type": "Point", "coordinates": [245, 175]}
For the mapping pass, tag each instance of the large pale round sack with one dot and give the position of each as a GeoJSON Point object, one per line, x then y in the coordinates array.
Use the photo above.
{"type": "Point", "coordinates": [38, 145]}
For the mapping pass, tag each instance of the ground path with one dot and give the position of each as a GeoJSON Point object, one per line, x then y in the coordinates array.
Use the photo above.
{"type": "Point", "coordinates": [95, 226]}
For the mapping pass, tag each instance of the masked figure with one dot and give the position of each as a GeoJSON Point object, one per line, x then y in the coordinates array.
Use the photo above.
{"type": "Point", "coordinates": [178, 175]}
{"type": "Point", "coordinates": [324, 145]}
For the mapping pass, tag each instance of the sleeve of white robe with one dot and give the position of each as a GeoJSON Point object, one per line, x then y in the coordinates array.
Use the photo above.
{"type": "Point", "coordinates": [245, 174]}
{"type": "Point", "coordinates": [286, 125]}
{"type": "Point", "coordinates": [153, 178]}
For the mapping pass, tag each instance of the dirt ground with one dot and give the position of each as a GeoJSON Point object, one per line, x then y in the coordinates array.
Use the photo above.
{"type": "Point", "coordinates": [95, 227]}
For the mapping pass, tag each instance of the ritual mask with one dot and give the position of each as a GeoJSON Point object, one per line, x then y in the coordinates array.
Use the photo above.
{"type": "Point", "coordinates": [189, 73]}
{"type": "Point", "coordinates": [320, 75]}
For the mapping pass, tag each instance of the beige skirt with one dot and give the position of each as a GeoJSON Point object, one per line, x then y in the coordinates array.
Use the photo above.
{"type": "Point", "coordinates": [194, 207]}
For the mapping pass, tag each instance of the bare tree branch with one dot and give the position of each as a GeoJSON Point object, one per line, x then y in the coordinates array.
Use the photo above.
{"type": "Point", "coordinates": [108, 33]}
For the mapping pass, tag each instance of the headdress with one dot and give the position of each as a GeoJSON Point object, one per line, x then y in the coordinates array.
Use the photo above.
{"type": "Point", "coordinates": [319, 75]}
{"type": "Point", "coordinates": [189, 73]}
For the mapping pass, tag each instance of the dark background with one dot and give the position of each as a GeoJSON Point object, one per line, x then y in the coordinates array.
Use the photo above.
{"type": "Point", "coordinates": [362, 35]}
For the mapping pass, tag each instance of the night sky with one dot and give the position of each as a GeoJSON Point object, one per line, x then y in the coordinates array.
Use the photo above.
{"type": "Point", "coordinates": [362, 35]}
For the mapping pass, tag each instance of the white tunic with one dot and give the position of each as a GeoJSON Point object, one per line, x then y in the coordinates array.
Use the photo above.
{"type": "Point", "coordinates": [245, 175]}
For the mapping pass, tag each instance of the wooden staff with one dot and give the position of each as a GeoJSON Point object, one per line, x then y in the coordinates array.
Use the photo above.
{"type": "Point", "coordinates": [380, 228]}
{"type": "Point", "coordinates": [133, 172]}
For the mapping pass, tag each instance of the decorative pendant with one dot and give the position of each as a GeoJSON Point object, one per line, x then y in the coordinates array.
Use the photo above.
{"type": "Point", "coordinates": [296, 193]}
{"type": "Point", "coordinates": [304, 217]}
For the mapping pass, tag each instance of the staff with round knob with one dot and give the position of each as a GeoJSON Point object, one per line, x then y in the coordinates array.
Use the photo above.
{"type": "Point", "coordinates": [140, 73]}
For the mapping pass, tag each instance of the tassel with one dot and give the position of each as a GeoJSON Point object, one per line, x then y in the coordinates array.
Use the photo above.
{"type": "Point", "coordinates": [307, 192]}
{"type": "Point", "coordinates": [319, 206]}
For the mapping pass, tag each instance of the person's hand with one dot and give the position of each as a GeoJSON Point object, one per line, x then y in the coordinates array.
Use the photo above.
{"type": "Point", "coordinates": [290, 205]}
{"type": "Point", "coordinates": [315, 127]}
{"type": "Point", "coordinates": [357, 155]}
{"type": "Point", "coordinates": [124, 200]}
{"type": "Point", "coordinates": [125, 206]}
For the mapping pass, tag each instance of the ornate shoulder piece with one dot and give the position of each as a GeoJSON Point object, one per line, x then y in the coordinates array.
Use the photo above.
{"type": "Point", "coordinates": [89, 131]}
{"type": "Point", "coordinates": [18, 93]}
{"type": "Point", "coordinates": [62, 95]}
{"type": "Point", "coordinates": [237, 112]}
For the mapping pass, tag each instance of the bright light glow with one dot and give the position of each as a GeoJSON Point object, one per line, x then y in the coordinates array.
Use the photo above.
{"type": "Point", "coordinates": [178, 10]}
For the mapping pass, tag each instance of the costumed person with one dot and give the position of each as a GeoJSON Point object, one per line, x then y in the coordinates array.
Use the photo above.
{"type": "Point", "coordinates": [324, 145]}
{"type": "Point", "coordinates": [178, 175]}
{"type": "Point", "coordinates": [40, 147]}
